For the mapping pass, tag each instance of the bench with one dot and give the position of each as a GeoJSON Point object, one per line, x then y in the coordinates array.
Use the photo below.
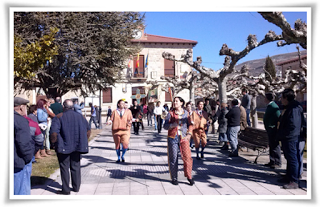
{"type": "Point", "coordinates": [255, 139]}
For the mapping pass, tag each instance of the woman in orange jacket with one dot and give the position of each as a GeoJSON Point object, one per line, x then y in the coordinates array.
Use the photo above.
{"type": "Point", "coordinates": [121, 120]}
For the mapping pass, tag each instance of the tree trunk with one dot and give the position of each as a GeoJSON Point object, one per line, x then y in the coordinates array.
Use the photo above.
{"type": "Point", "coordinates": [222, 84]}
{"type": "Point", "coordinates": [191, 94]}
{"type": "Point", "coordinates": [254, 115]}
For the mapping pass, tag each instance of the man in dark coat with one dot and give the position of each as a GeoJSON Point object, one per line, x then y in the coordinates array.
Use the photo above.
{"type": "Point", "coordinates": [69, 133]}
{"type": "Point", "coordinates": [57, 107]}
{"type": "Point", "coordinates": [135, 110]}
{"type": "Point", "coordinates": [23, 148]}
{"type": "Point", "coordinates": [246, 102]}
{"type": "Point", "coordinates": [270, 120]}
{"type": "Point", "coordinates": [289, 131]}
{"type": "Point", "coordinates": [233, 117]}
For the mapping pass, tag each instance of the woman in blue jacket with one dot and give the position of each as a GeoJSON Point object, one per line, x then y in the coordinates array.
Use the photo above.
{"type": "Point", "coordinates": [42, 115]}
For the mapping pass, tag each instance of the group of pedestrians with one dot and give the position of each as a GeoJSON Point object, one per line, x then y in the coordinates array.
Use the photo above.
{"type": "Point", "coordinates": [287, 127]}
{"type": "Point", "coordinates": [51, 125]}
{"type": "Point", "coordinates": [42, 113]}
{"type": "Point", "coordinates": [56, 126]}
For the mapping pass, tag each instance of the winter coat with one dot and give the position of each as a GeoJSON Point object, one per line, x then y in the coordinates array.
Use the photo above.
{"type": "Point", "coordinates": [233, 116]}
{"type": "Point", "coordinates": [23, 144]}
{"type": "Point", "coordinates": [243, 118]}
{"type": "Point", "coordinates": [71, 129]}
{"type": "Point", "coordinates": [291, 122]}
{"type": "Point", "coordinates": [223, 121]}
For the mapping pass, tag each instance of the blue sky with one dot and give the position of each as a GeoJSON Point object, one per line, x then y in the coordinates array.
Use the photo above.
{"type": "Point", "coordinates": [213, 29]}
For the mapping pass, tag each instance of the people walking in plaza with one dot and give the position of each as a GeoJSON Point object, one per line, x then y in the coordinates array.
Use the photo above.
{"type": "Point", "coordinates": [70, 133]}
{"type": "Point", "coordinates": [223, 126]}
{"type": "Point", "coordinates": [199, 119]}
{"type": "Point", "coordinates": [50, 116]}
{"type": "Point", "coordinates": [189, 110]}
{"type": "Point", "coordinates": [158, 112]}
{"type": "Point", "coordinates": [126, 105]}
{"type": "Point", "coordinates": [233, 127]}
{"type": "Point", "coordinates": [56, 106]}
{"type": "Point", "coordinates": [121, 120]}
{"type": "Point", "coordinates": [42, 116]}
{"type": "Point", "coordinates": [243, 117]}
{"type": "Point", "coordinates": [78, 107]}
{"type": "Point", "coordinates": [246, 102]}
{"type": "Point", "coordinates": [23, 149]}
{"type": "Point", "coordinates": [136, 112]}
{"type": "Point", "coordinates": [150, 114]}
{"type": "Point", "coordinates": [207, 108]}
{"type": "Point", "coordinates": [291, 122]}
{"type": "Point", "coordinates": [270, 120]}
{"type": "Point", "coordinates": [145, 111]}
{"type": "Point", "coordinates": [166, 107]}
{"type": "Point", "coordinates": [215, 114]}
{"type": "Point", "coordinates": [93, 116]}
{"type": "Point", "coordinates": [109, 113]}
{"type": "Point", "coordinates": [32, 114]}
{"type": "Point", "coordinates": [179, 133]}
{"type": "Point", "coordinates": [36, 137]}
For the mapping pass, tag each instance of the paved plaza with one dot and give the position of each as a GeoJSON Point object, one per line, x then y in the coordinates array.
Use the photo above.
{"type": "Point", "coordinates": [146, 172]}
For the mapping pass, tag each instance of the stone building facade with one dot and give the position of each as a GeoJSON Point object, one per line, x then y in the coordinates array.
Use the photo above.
{"type": "Point", "coordinates": [150, 68]}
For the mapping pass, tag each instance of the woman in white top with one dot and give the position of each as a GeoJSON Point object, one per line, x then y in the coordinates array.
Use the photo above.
{"type": "Point", "coordinates": [158, 111]}
{"type": "Point", "coordinates": [51, 115]}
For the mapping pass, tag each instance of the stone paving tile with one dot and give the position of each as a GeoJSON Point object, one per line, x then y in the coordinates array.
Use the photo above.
{"type": "Point", "coordinates": [256, 187]}
{"type": "Point", "coordinates": [156, 191]}
{"type": "Point", "coordinates": [87, 189]}
{"type": "Point", "coordinates": [222, 187]}
{"type": "Point", "coordinates": [238, 187]}
{"type": "Point", "coordinates": [121, 191]}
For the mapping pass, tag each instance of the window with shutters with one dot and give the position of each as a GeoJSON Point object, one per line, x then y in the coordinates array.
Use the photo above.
{"type": "Point", "coordinates": [138, 72]}
{"type": "Point", "coordinates": [107, 95]}
{"type": "Point", "coordinates": [169, 69]}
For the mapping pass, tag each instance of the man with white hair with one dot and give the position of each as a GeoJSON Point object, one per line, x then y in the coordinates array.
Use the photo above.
{"type": "Point", "coordinates": [69, 133]}
{"type": "Point", "coordinates": [23, 148]}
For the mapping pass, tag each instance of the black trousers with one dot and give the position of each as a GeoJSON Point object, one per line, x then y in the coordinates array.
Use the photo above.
{"type": "Point", "coordinates": [159, 122]}
{"type": "Point", "coordinates": [150, 117]}
{"type": "Point", "coordinates": [274, 147]}
{"type": "Point", "coordinates": [136, 127]}
{"type": "Point", "coordinates": [72, 162]}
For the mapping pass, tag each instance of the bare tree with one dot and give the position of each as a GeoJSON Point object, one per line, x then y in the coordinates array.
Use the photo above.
{"type": "Point", "coordinates": [288, 36]}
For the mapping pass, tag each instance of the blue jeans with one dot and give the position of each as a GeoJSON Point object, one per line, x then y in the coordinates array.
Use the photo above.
{"type": "Point", "coordinates": [223, 137]}
{"type": "Point", "coordinates": [232, 134]}
{"type": "Point", "coordinates": [22, 182]}
{"type": "Point", "coordinates": [248, 117]}
{"type": "Point", "coordinates": [155, 122]}
{"type": "Point", "coordinates": [149, 117]}
{"type": "Point", "coordinates": [292, 155]}
{"type": "Point", "coordinates": [301, 149]}
{"type": "Point", "coordinates": [93, 119]}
